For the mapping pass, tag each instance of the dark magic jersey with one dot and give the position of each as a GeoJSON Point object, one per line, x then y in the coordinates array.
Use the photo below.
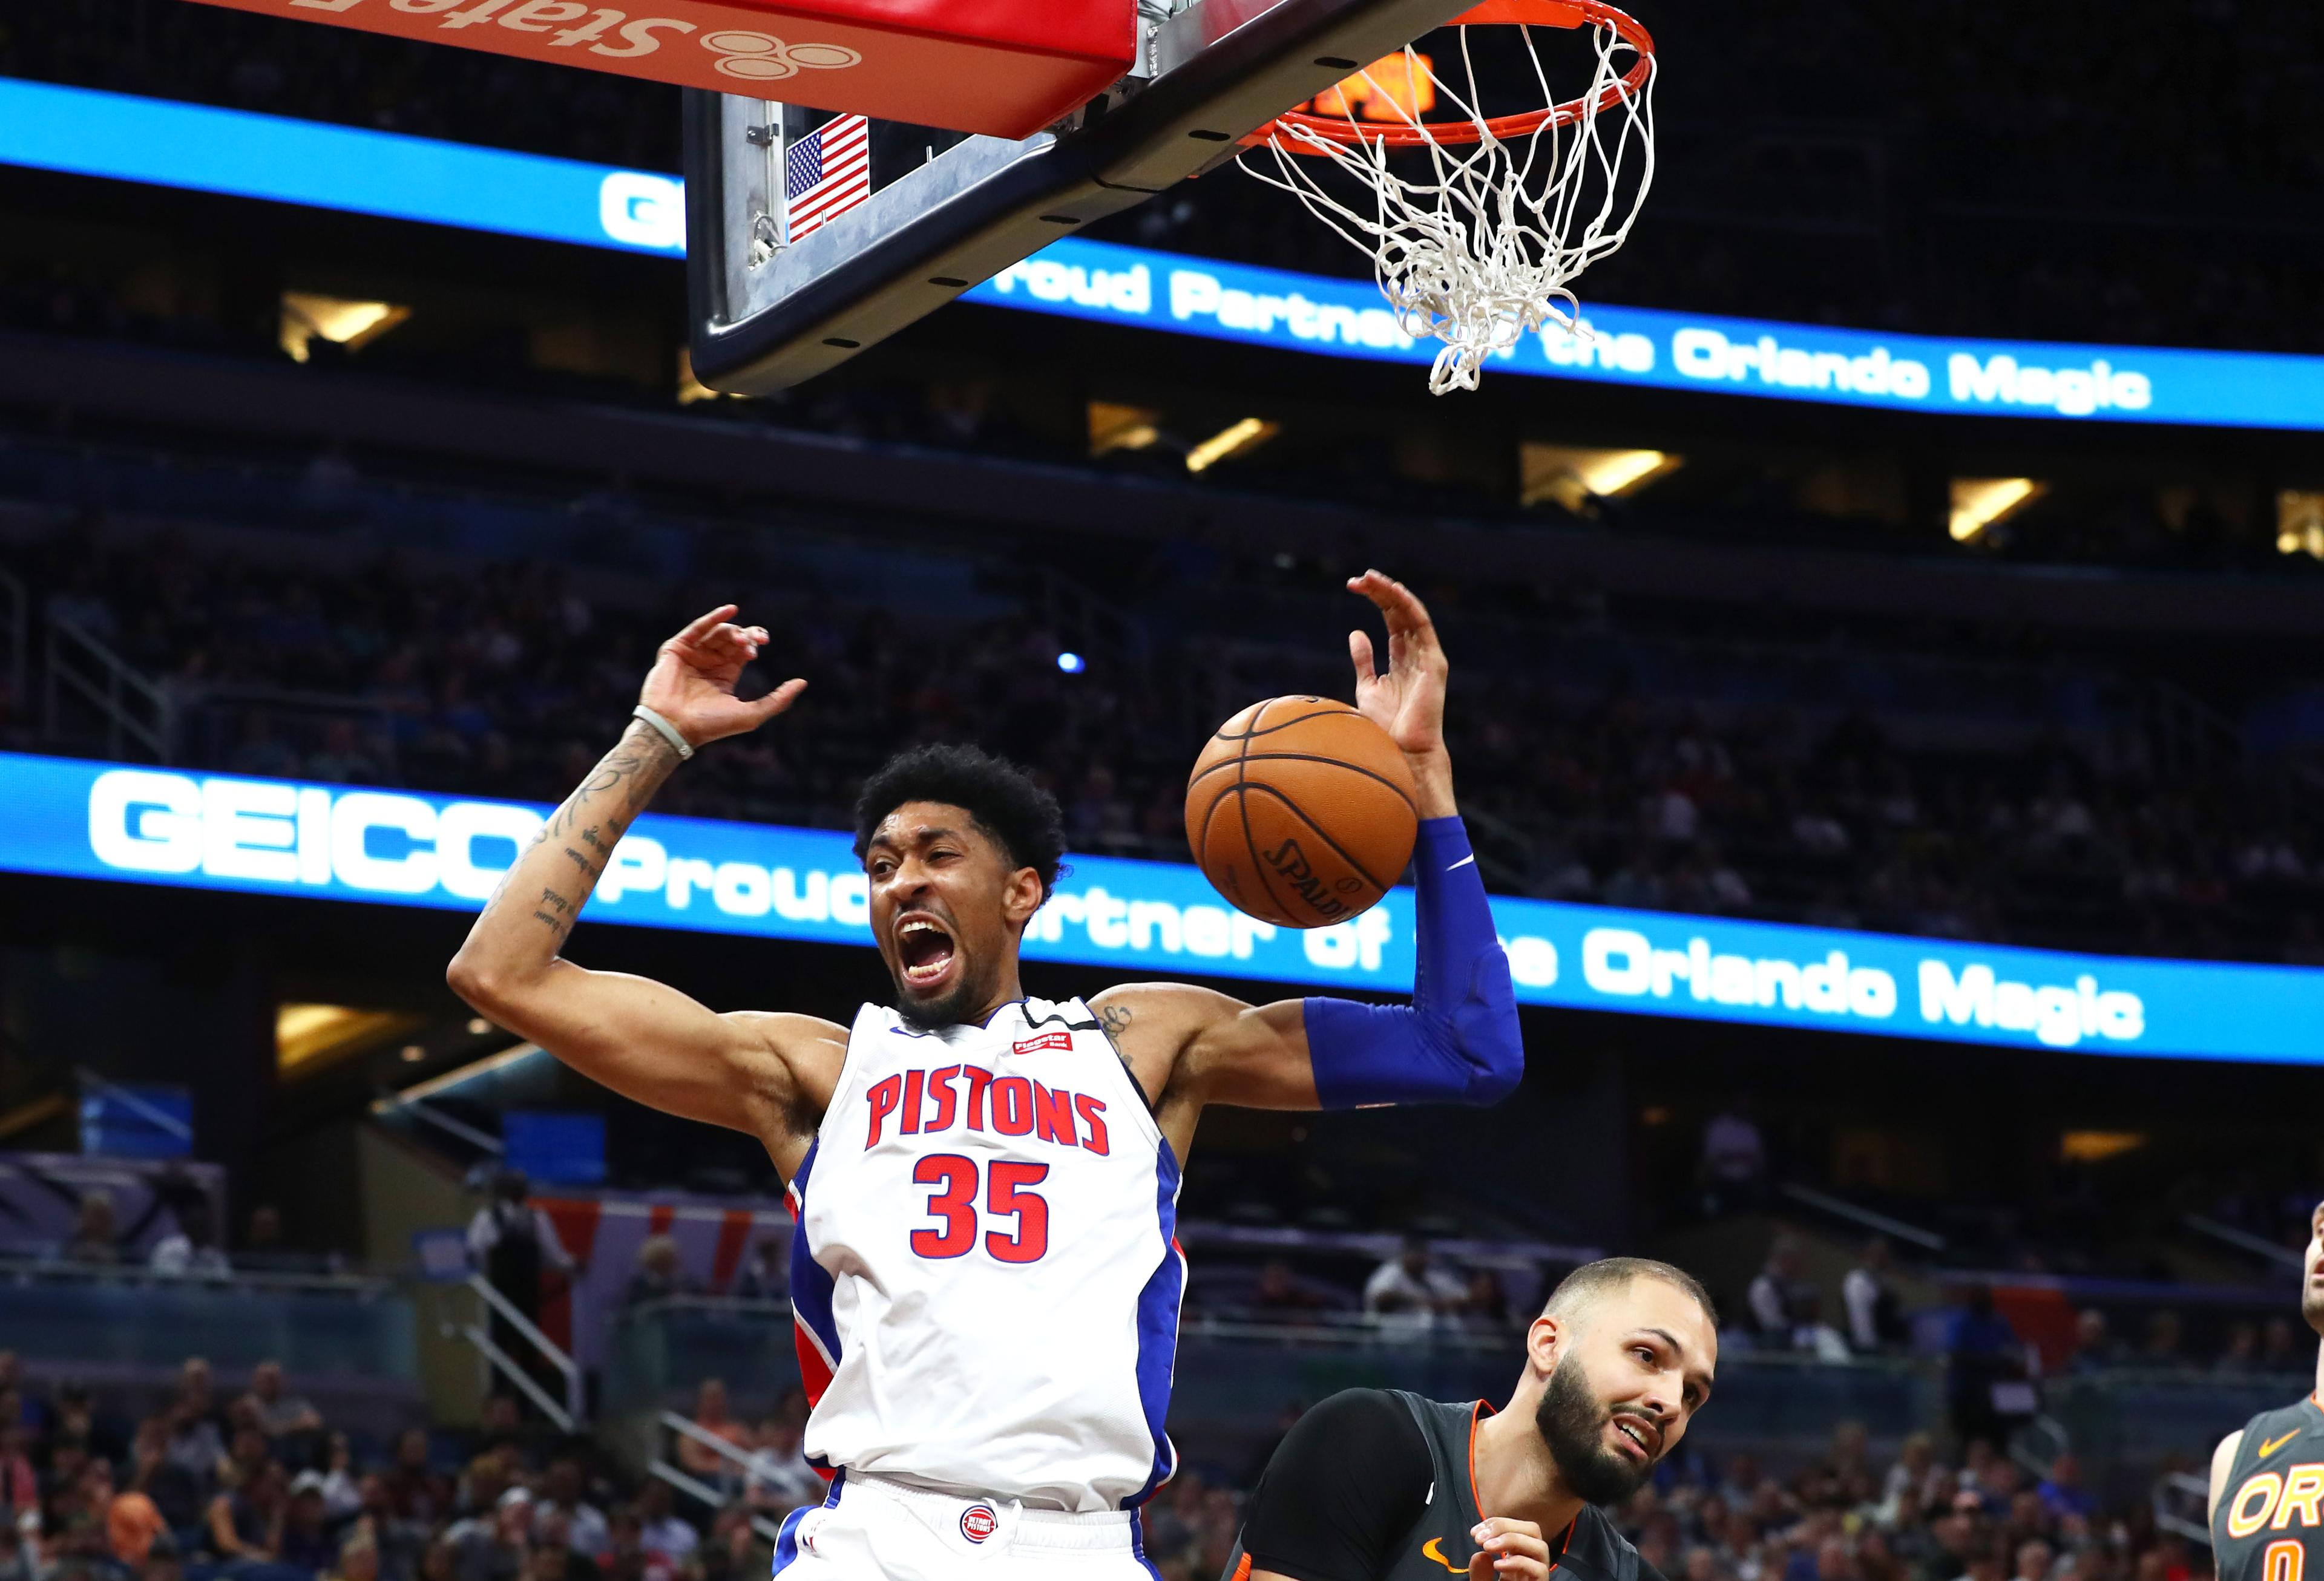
{"type": "Point", "coordinates": [2270, 1520]}
{"type": "Point", "coordinates": [1378, 1485]}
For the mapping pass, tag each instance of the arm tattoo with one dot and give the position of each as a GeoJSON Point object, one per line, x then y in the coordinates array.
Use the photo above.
{"type": "Point", "coordinates": [1115, 1019]}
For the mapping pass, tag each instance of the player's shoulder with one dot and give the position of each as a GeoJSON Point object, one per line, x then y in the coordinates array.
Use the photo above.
{"type": "Point", "coordinates": [1375, 1428]}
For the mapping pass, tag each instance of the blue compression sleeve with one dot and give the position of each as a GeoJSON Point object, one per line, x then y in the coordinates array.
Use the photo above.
{"type": "Point", "coordinates": [1458, 1041]}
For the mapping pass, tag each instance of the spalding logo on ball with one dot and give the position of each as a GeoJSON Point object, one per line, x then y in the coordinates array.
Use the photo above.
{"type": "Point", "coordinates": [1300, 812]}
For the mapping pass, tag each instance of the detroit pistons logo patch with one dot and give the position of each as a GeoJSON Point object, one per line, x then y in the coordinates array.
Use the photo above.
{"type": "Point", "coordinates": [978, 1523]}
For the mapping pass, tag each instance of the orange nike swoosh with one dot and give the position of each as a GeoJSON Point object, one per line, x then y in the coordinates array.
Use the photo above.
{"type": "Point", "coordinates": [1431, 1548]}
{"type": "Point", "coordinates": [2272, 1445]}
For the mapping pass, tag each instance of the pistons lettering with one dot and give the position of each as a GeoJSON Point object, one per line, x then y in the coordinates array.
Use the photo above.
{"type": "Point", "coordinates": [926, 1102]}
{"type": "Point", "coordinates": [1290, 863]}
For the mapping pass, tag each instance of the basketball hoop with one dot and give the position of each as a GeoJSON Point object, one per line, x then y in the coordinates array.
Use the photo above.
{"type": "Point", "coordinates": [1476, 249]}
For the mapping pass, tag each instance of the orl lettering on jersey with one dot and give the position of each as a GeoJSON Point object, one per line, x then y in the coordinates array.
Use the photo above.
{"type": "Point", "coordinates": [2269, 1521]}
{"type": "Point", "coordinates": [984, 1277]}
{"type": "Point", "coordinates": [929, 1102]}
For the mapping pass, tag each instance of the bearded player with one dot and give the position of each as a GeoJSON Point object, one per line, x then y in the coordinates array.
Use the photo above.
{"type": "Point", "coordinates": [2267, 1480]}
{"type": "Point", "coordinates": [984, 1278]}
{"type": "Point", "coordinates": [1376, 1484]}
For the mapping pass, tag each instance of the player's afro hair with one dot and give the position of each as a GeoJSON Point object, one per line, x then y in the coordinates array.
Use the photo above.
{"type": "Point", "coordinates": [1003, 799]}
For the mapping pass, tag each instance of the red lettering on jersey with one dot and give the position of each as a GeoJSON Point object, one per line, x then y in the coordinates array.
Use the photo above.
{"type": "Point", "coordinates": [1047, 1039]}
{"type": "Point", "coordinates": [1053, 1111]}
{"type": "Point", "coordinates": [1012, 1106]}
{"type": "Point", "coordinates": [882, 1095]}
{"type": "Point", "coordinates": [979, 1079]}
{"type": "Point", "coordinates": [1093, 1113]}
{"type": "Point", "coordinates": [948, 1101]}
{"type": "Point", "coordinates": [911, 1104]}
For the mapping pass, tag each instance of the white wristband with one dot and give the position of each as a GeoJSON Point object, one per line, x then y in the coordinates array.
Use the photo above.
{"type": "Point", "coordinates": [669, 730]}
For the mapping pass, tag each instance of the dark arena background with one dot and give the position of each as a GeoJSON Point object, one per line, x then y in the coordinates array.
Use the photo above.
{"type": "Point", "coordinates": [1887, 702]}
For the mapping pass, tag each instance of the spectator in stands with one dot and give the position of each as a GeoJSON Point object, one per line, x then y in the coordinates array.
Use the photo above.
{"type": "Point", "coordinates": [2241, 1355]}
{"type": "Point", "coordinates": [512, 1243]}
{"type": "Point", "coordinates": [2094, 1348]}
{"type": "Point", "coordinates": [20, 1485]}
{"type": "Point", "coordinates": [495, 1544]}
{"type": "Point", "coordinates": [1777, 1293]}
{"type": "Point", "coordinates": [667, 1541]}
{"type": "Point", "coordinates": [661, 1273]}
{"type": "Point", "coordinates": [2033, 1561]}
{"type": "Point", "coordinates": [781, 1480]}
{"type": "Point", "coordinates": [1733, 1172]}
{"type": "Point", "coordinates": [1485, 1305]}
{"type": "Point", "coordinates": [263, 1249]}
{"type": "Point", "coordinates": [2165, 1347]}
{"type": "Point", "coordinates": [94, 1239]}
{"type": "Point", "coordinates": [2283, 1351]}
{"type": "Point", "coordinates": [358, 1560]}
{"type": "Point", "coordinates": [1983, 1354]}
{"type": "Point", "coordinates": [1876, 1318]}
{"type": "Point", "coordinates": [191, 1249]}
{"type": "Point", "coordinates": [1276, 1296]}
{"type": "Point", "coordinates": [133, 1523]}
{"type": "Point", "coordinates": [307, 1543]}
{"type": "Point", "coordinates": [173, 1489]}
{"type": "Point", "coordinates": [557, 1554]}
{"type": "Point", "coordinates": [280, 1414]}
{"type": "Point", "coordinates": [416, 1492]}
{"type": "Point", "coordinates": [563, 1509]}
{"type": "Point", "coordinates": [766, 1277]}
{"type": "Point", "coordinates": [1409, 1290]}
{"type": "Point", "coordinates": [2062, 1493]}
{"type": "Point", "coordinates": [710, 1414]}
{"type": "Point", "coordinates": [246, 1525]}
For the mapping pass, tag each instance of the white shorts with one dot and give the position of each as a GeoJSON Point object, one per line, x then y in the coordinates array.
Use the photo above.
{"type": "Point", "coordinates": [874, 1530]}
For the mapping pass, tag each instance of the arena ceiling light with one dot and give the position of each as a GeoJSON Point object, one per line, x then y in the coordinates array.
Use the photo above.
{"type": "Point", "coordinates": [1234, 439]}
{"type": "Point", "coordinates": [2299, 522]}
{"type": "Point", "coordinates": [1112, 427]}
{"type": "Point", "coordinates": [308, 317]}
{"type": "Point", "coordinates": [1572, 476]}
{"type": "Point", "coordinates": [1979, 502]}
{"type": "Point", "coordinates": [309, 1036]}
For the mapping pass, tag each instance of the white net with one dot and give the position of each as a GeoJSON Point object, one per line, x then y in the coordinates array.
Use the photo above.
{"type": "Point", "coordinates": [1474, 241]}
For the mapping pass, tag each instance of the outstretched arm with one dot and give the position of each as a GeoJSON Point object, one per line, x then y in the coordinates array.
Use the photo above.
{"type": "Point", "coordinates": [644, 1039]}
{"type": "Point", "coordinates": [1457, 1041]}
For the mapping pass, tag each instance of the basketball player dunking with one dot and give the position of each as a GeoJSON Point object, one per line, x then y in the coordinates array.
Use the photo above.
{"type": "Point", "coordinates": [2267, 1478]}
{"type": "Point", "coordinates": [984, 1278]}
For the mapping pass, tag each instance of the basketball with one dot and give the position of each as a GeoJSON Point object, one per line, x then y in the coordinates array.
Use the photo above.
{"type": "Point", "coordinates": [1300, 812]}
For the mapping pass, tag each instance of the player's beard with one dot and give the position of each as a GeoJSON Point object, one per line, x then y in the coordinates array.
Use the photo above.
{"type": "Point", "coordinates": [2311, 1305]}
{"type": "Point", "coordinates": [1572, 1420]}
{"type": "Point", "coordinates": [961, 1002]}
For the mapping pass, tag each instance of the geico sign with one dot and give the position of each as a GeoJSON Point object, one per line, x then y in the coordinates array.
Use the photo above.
{"type": "Point", "coordinates": [380, 842]}
{"type": "Point", "coordinates": [145, 821]}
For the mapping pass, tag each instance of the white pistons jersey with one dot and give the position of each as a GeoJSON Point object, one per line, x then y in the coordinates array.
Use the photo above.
{"type": "Point", "coordinates": [985, 1278]}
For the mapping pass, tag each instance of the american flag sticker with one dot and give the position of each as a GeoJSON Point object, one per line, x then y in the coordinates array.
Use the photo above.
{"type": "Point", "coordinates": [826, 173]}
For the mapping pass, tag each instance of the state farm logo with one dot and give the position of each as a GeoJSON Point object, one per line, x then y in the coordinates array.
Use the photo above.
{"type": "Point", "coordinates": [600, 30]}
{"type": "Point", "coordinates": [763, 58]}
{"type": "Point", "coordinates": [1047, 1039]}
{"type": "Point", "coordinates": [978, 1523]}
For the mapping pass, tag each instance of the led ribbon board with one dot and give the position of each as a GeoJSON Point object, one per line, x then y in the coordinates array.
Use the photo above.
{"type": "Point", "coordinates": [248, 155]}
{"type": "Point", "coordinates": [81, 820]}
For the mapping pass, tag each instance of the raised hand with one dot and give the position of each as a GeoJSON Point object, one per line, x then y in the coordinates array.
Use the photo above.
{"type": "Point", "coordinates": [692, 682]}
{"type": "Point", "coordinates": [1408, 701]}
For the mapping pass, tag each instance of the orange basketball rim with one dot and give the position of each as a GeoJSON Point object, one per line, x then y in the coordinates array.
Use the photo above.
{"type": "Point", "coordinates": [1569, 14]}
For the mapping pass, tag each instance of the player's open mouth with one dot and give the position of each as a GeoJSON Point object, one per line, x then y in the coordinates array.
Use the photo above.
{"type": "Point", "coordinates": [924, 952]}
{"type": "Point", "coordinates": [1637, 1436]}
